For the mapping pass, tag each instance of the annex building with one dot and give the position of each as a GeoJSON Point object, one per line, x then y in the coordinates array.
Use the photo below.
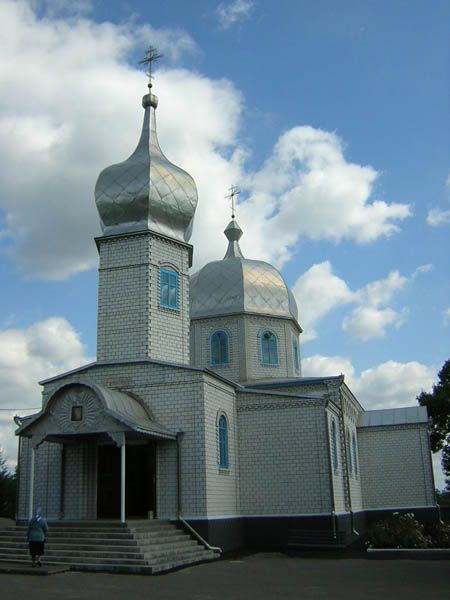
{"type": "Point", "coordinates": [196, 407]}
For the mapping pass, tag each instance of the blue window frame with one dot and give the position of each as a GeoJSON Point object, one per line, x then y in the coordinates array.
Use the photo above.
{"type": "Point", "coordinates": [349, 453]}
{"type": "Point", "coordinates": [296, 358]}
{"type": "Point", "coordinates": [269, 351]}
{"type": "Point", "coordinates": [334, 454]}
{"type": "Point", "coordinates": [223, 442]}
{"type": "Point", "coordinates": [219, 348]}
{"type": "Point", "coordinates": [168, 288]}
{"type": "Point", "coordinates": [355, 454]}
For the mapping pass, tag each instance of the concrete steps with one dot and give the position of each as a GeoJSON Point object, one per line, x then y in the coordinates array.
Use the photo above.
{"type": "Point", "coordinates": [145, 547]}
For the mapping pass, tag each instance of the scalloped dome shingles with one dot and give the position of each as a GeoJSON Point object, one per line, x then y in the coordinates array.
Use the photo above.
{"type": "Point", "coordinates": [146, 191]}
{"type": "Point", "coordinates": [236, 284]}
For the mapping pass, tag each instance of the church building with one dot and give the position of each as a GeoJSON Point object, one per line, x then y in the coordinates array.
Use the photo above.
{"type": "Point", "coordinates": [196, 409]}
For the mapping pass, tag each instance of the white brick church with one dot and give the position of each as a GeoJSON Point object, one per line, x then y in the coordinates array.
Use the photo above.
{"type": "Point", "coordinates": [196, 407]}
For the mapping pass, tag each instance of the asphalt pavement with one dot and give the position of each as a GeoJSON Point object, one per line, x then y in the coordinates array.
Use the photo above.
{"type": "Point", "coordinates": [255, 577]}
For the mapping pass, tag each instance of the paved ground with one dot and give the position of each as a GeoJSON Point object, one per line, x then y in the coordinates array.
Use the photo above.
{"type": "Point", "coordinates": [255, 577]}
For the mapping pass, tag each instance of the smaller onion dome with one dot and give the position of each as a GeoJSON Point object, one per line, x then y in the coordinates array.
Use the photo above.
{"type": "Point", "coordinates": [146, 191]}
{"type": "Point", "coordinates": [236, 284]}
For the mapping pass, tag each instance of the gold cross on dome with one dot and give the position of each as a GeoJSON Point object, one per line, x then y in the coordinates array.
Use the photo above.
{"type": "Point", "coordinates": [233, 192]}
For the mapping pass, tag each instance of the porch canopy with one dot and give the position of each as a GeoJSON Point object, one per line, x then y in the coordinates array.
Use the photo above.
{"type": "Point", "coordinates": [79, 409]}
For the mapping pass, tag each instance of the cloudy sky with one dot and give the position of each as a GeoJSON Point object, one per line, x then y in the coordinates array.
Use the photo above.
{"type": "Point", "coordinates": [331, 118]}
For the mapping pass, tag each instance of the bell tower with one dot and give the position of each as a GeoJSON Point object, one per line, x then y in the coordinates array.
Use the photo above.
{"type": "Point", "coordinates": [146, 206]}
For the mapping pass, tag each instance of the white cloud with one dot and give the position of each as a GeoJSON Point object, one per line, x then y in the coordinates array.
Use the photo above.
{"type": "Point", "coordinates": [446, 314]}
{"type": "Point", "coordinates": [54, 8]}
{"type": "Point", "coordinates": [70, 116]}
{"type": "Point", "coordinates": [318, 291]}
{"type": "Point", "coordinates": [438, 217]}
{"type": "Point", "coordinates": [234, 12]}
{"type": "Point", "coordinates": [422, 269]}
{"type": "Point", "coordinates": [388, 385]}
{"type": "Point", "coordinates": [322, 366]}
{"type": "Point", "coordinates": [28, 355]}
{"type": "Point", "coordinates": [367, 323]}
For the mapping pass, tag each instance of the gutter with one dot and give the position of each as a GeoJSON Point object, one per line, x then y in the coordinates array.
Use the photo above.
{"type": "Point", "coordinates": [330, 472]}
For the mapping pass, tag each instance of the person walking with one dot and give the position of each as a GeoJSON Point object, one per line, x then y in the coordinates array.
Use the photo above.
{"type": "Point", "coordinates": [36, 534]}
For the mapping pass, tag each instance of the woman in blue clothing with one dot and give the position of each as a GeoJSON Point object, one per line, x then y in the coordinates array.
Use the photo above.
{"type": "Point", "coordinates": [36, 534]}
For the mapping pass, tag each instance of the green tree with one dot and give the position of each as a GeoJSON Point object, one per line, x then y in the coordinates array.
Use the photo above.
{"type": "Point", "coordinates": [438, 405]}
{"type": "Point", "coordinates": [7, 489]}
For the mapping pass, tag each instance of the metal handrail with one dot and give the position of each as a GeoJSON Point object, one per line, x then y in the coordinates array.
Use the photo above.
{"type": "Point", "coordinates": [199, 537]}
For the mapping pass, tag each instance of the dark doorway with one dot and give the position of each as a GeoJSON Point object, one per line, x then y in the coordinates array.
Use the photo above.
{"type": "Point", "coordinates": [139, 481]}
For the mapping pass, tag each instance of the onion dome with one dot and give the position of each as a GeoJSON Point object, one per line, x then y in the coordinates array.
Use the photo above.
{"type": "Point", "coordinates": [238, 285]}
{"type": "Point", "coordinates": [146, 191]}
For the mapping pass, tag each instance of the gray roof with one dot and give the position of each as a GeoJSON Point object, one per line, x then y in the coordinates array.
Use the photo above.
{"type": "Point", "coordinates": [146, 191]}
{"type": "Point", "coordinates": [122, 407]}
{"type": "Point", "coordinates": [393, 416]}
{"type": "Point", "coordinates": [236, 284]}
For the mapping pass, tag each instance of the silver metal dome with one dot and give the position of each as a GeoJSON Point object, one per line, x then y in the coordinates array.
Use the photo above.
{"type": "Point", "coordinates": [147, 191]}
{"type": "Point", "coordinates": [236, 284]}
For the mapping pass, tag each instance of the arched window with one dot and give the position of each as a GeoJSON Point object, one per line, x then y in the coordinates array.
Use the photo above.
{"type": "Point", "coordinates": [223, 442]}
{"type": "Point", "coordinates": [334, 454]}
{"type": "Point", "coordinates": [269, 351]}
{"type": "Point", "coordinates": [355, 454]}
{"type": "Point", "coordinates": [296, 357]}
{"type": "Point", "coordinates": [219, 348]}
{"type": "Point", "coordinates": [168, 288]}
{"type": "Point", "coordinates": [349, 452]}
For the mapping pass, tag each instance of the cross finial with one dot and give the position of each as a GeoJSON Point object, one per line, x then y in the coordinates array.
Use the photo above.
{"type": "Point", "coordinates": [233, 192]}
{"type": "Point", "coordinates": [151, 55]}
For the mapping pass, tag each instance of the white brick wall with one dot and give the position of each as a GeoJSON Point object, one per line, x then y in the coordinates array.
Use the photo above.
{"type": "Point", "coordinates": [396, 468]}
{"type": "Point", "coordinates": [131, 322]}
{"type": "Point", "coordinates": [283, 456]}
{"type": "Point", "coordinates": [245, 346]}
{"type": "Point", "coordinates": [222, 485]}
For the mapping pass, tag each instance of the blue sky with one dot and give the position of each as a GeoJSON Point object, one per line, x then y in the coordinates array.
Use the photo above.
{"type": "Point", "coordinates": [331, 118]}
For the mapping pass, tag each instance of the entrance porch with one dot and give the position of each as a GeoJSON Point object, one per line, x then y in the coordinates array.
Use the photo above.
{"type": "Point", "coordinates": [91, 453]}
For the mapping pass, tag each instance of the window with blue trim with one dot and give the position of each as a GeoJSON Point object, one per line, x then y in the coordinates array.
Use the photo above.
{"type": "Point", "coordinates": [349, 453]}
{"type": "Point", "coordinates": [269, 350]}
{"type": "Point", "coordinates": [168, 288]}
{"type": "Point", "coordinates": [296, 358]}
{"type": "Point", "coordinates": [355, 454]}
{"type": "Point", "coordinates": [334, 454]}
{"type": "Point", "coordinates": [223, 442]}
{"type": "Point", "coordinates": [219, 348]}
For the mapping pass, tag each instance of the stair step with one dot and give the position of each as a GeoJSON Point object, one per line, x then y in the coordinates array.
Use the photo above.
{"type": "Point", "coordinates": [144, 547]}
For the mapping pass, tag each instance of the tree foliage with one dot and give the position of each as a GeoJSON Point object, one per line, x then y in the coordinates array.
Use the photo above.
{"type": "Point", "coordinates": [7, 489]}
{"type": "Point", "coordinates": [438, 405]}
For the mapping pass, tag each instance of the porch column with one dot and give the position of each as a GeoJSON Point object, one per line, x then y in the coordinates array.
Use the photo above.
{"type": "Point", "coordinates": [122, 479]}
{"type": "Point", "coordinates": [31, 497]}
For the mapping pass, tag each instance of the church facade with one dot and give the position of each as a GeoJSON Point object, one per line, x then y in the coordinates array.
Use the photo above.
{"type": "Point", "coordinates": [196, 408]}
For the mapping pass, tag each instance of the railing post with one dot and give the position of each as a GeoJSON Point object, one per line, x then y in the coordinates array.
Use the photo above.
{"type": "Point", "coordinates": [122, 479]}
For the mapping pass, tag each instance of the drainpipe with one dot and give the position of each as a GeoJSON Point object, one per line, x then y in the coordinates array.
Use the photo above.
{"type": "Point", "coordinates": [122, 479]}
{"type": "Point", "coordinates": [19, 453]}
{"type": "Point", "coordinates": [330, 472]}
{"type": "Point", "coordinates": [179, 435]}
{"type": "Point", "coordinates": [31, 497]}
